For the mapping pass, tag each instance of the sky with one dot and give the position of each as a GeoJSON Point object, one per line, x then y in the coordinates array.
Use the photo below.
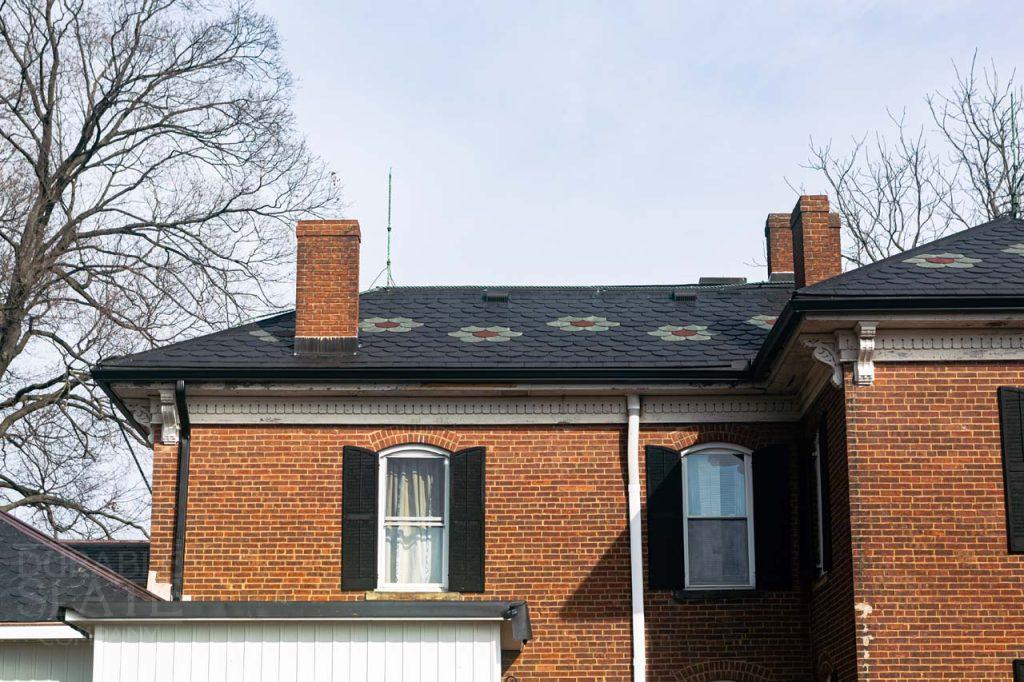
{"type": "Point", "coordinates": [566, 142]}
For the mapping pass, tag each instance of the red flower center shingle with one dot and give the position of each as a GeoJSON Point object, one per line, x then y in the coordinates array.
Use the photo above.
{"type": "Point", "coordinates": [582, 323]}
{"type": "Point", "coordinates": [941, 260]}
{"type": "Point", "coordinates": [684, 332]}
{"type": "Point", "coordinates": [388, 325]}
{"type": "Point", "coordinates": [485, 334]}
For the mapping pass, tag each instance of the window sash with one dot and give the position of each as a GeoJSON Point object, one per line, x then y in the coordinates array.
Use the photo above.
{"type": "Point", "coordinates": [712, 449]}
{"type": "Point", "coordinates": [387, 521]}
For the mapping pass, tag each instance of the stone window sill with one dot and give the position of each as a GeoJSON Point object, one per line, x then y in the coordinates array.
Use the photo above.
{"type": "Point", "coordinates": [384, 595]}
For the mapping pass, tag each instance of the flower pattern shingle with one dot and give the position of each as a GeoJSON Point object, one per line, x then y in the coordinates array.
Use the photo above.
{"type": "Point", "coordinates": [981, 261]}
{"type": "Point", "coordinates": [619, 337]}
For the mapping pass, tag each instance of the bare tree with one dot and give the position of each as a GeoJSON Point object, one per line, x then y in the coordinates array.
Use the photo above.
{"type": "Point", "coordinates": [150, 175]}
{"type": "Point", "coordinates": [963, 167]}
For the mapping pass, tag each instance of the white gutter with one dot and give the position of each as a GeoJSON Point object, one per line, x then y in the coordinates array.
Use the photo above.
{"type": "Point", "coordinates": [636, 559]}
{"type": "Point", "coordinates": [37, 631]}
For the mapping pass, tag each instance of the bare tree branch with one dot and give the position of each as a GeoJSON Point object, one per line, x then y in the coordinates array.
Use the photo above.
{"type": "Point", "coordinates": [150, 175]}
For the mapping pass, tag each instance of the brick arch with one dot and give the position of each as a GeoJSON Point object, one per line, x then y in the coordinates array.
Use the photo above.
{"type": "Point", "coordinates": [719, 671]}
{"type": "Point", "coordinates": [389, 437]}
{"type": "Point", "coordinates": [751, 436]}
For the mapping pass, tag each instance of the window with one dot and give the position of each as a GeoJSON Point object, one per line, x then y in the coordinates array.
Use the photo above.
{"type": "Point", "coordinates": [820, 497]}
{"type": "Point", "coordinates": [413, 533]}
{"type": "Point", "coordinates": [718, 542]}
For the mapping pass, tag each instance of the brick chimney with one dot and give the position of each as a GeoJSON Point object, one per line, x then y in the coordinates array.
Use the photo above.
{"type": "Point", "coordinates": [326, 287]}
{"type": "Point", "coordinates": [816, 249]}
{"type": "Point", "coordinates": [778, 235]}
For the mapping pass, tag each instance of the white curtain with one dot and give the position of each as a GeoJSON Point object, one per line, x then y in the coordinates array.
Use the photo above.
{"type": "Point", "coordinates": [415, 488]}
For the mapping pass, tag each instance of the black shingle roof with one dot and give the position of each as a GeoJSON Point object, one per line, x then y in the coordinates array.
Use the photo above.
{"type": "Point", "coordinates": [985, 260]}
{"type": "Point", "coordinates": [38, 576]}
{"type": "Point", "coordinates": [714, 325]}
{"type": "Point", "coordinates": [128, 558]}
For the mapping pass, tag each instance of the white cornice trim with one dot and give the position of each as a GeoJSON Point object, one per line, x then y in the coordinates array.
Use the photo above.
{"type": "Point", "coordinates": [37, 631]}
{"type": "Point", "coordinates": [442, 411]}
{"type": "Point", "coordinates": [689, 409]}
{"type": "Point", "coordinates": [914, 345]}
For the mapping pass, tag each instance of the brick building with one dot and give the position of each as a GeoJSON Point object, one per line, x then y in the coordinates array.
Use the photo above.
{"type": "Point", "coordinates": [815, 477]}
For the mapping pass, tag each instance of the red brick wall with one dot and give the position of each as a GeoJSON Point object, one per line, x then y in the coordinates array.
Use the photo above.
{"type": "Point", "coordinates": [831, 597]}
{"type": "Point", "coordinates": [939, 598]}
{"type": "Point", "coordinates": [747, 639]}
{"type": "Point", "coordinates": [264, 523]}
{"type": "Point", "coordinates": [327, 278]}
{"type": "Point", "coordinates": [817, 254]}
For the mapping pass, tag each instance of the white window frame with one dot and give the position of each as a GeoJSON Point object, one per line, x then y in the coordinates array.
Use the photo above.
{"type": "Point", "coordinates": [729, 449]}
{"type": "Point", "coordinates": [819, 560]}
{"type": "Point", "coordinates": [410, 452]}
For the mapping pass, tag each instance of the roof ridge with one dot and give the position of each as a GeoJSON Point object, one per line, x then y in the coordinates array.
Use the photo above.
{"type": "Point", "coordinates": [74, 556]}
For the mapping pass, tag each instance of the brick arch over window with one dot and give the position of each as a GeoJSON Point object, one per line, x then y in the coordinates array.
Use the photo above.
{"type": "Point", "coordinates": [443, 438]}
{"type": "Point", "coordinates": [720, 671]}
{"type": "Point", "coordinates": [753, 436]}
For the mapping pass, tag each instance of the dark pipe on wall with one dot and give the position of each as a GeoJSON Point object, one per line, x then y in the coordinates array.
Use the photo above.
{"type": "Point", "coordinates": [181, 493]}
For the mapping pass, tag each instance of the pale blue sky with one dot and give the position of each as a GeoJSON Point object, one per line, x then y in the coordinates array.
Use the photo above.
{"type": "Point", "coordinates": [603, 142]}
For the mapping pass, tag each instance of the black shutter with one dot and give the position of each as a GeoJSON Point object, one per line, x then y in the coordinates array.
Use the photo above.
{"type": "Point", "coordinates": [466, 521]}
{"type": "Point", "coordinates": [1018, 670]}
{"type": "Point", "coordinates": [1011, 421]}
{"type": "Point", "coordinates": [359, 519]}
{"type": "Point", "coordinates": [808, 509]}
{"type": "Point", "coordinates": [665, 564]}
{"type": "Point", "coordinates": [826, 497]}
{"type": "Point", "coordinates": [772, 542]}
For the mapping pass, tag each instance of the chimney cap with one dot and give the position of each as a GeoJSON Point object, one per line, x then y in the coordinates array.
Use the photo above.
{"type": "Point", "coordinates": [722, 280]}
{"type": "Point", "coordinates": [327, 228]}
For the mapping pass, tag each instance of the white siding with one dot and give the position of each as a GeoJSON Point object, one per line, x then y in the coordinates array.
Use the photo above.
{"type": "Point", "coordinates": [299, 652]}
{"type": "Point", "coordinates": [45, 661]}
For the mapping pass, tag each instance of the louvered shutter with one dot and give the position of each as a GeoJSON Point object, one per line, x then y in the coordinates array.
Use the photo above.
{"type": "Point", "coordinates": [359, 518]}
{"type": "Point", "coordinates": [1018, 670]}
{"type": "Point", "coordinates": [1011, 420]}
{"type": "Point", "coordinates": [665, 563]}
{"type": "Point", "coordinates": [466, 541]}
{"type": "Point", "coordinates": [772, 541]}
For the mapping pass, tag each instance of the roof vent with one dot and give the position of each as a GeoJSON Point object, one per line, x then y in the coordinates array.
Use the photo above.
{"type": "Point", "coordinates": [496, 295]}
{"type": "Point", "coordinates": [684, 295]}
{"type": "Point", "coordinates": [722, 280]}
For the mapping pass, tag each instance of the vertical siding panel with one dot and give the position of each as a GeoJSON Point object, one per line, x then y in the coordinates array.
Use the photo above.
{"type": "Point", "coordinates": [200, 669]}
{"type": "Point", "coordinates": [412, 636]}
{"type": "Point", "coordinates": [164, 653]}
{"type": "Point", "coordinates": [394, 646]}
{"type": "Point", "coordinates": [271, 638]}
{"type": "Point", "coordinates": [252, 651]}
{"type": "Point", "coordinates": [446, 651]}
{"type": "Point", "coordinates": [129, 653]}
{"type": "Point", "coordinates": [182, 652]}
{"type": "Point", "coordinates": [359, 652]}
{"type": "Point", "coordinates": [484, 651]}
{"type": "Point", "coordinates": [341, 636]}
{"type": "Point", "coordinates": [111, 671]}
{"type": "Point", "coordinates": [428, 653]}
{"type": "Point", "coordinates": [146, 668]}
{"type": "Point", "coordinates": [289, 654]}
{"type": "Point", "coordinates": [305, 651]}
{"type": "Point", "coordinates": [375, 653]}
{"type": "Point", "coordinates": [463, 653]}
{"type": "Point", "coordinates": [218, 651]}
{"type": "Point", "coordinates": [235, 652]}
{"type": "Point", "coordinates": [322, 648]}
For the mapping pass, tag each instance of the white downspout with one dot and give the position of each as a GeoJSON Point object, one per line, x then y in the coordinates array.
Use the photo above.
{"type": "Point", "coordinates": [636, 559]}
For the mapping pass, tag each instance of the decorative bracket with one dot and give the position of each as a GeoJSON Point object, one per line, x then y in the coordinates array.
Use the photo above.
{"type": "Point", "coordinates": [168, 417]}
{"type": "Point", "coordinates": [864, 368]}
{"type": "Point", "coordinates": [826, 352]}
